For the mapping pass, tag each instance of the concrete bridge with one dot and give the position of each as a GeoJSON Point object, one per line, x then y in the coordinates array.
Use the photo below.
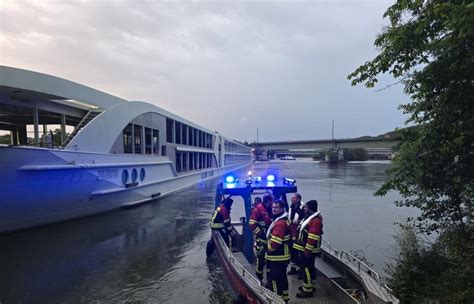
{"type": "Point", "coordinates": [375, 147]}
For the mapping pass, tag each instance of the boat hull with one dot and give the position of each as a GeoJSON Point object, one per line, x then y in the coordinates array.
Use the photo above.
{"type": "Point", "coordinates": [43, 186]}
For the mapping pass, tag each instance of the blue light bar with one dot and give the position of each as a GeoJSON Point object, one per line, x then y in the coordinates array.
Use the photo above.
{"type": "Point", "coordinates": [229, 179]}
{"type": "Point", "coordinates": [270, 178]}
{"type": "Point", "coordinates": [289, 181]}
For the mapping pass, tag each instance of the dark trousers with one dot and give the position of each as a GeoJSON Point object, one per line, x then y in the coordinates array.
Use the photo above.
{"type": "Point", "coordinates": [226, 236]}
{"type": "Point", "coordinates": [308, 271]}
{"type": "Point", "coordinates": [294, 258]}
{"type": "Point", "coordinates": [278, 279]}
{"type": "Point", "coordinates": [260, 249]}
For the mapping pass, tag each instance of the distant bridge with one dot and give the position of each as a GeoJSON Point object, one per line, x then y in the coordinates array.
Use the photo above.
{"type": "Point", "coordinates": [374, 146]}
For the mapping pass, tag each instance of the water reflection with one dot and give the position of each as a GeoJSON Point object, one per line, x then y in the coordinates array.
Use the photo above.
{"type": "Point", "coordinates": [155, 252]}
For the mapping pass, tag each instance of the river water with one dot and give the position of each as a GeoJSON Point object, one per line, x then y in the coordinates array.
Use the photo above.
{"type": "Point", "coordinates": [154, 253]}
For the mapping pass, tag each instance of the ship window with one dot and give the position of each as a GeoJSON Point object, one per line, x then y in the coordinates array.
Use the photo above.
{"type": "Point", "coordinates": [191, 136]}
{"type": "Point", "coordinates": [163, 150]}
{"type": "Point", "coordinates": [127, 139]}
{"type": "Point", "coordinates": [134, 175]}
{"type": "Point", "coordinates": [191, 161]}
{"type": "Point", "coordinates": [142, 174]}
{"type": "Point", "coordinates": [138, 139]}
{"type": "Point", "coordinates": [155, 141]}
{"type": "Point", "coordinates": [148, 141]}
{"type": "Point", "coordinates": [177, 126]}
{"type": "Point", "coordinates": [169, 130]}
{"type": "Point", "coordinates": [184, 134]}
{"type": "Point", "coordinates": [184, 161]}
{"type": "Point", "coordinates": [178, 162]}
{"type": "Point", "coordinates": [124, 176]}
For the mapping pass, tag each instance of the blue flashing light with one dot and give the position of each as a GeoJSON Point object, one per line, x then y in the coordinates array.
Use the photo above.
{"type": "Point", "coordinates": [270, 184]}
{"type": "Point", "coordinates": [270, 178]}
{"type": "Point", "coordinates": [257, 179]}
{"type": "Point", "coordinates": [230, 186]}
{"type": "Point", "coordinates": [229, 179]}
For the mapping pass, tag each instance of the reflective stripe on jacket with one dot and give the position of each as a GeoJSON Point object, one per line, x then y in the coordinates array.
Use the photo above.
{"type": "Point", "coordinates": [259, 221]}
{"type": "Point", "coordinates": [278, 244]}
{"type": "Point", "coordinates": [221, 218]}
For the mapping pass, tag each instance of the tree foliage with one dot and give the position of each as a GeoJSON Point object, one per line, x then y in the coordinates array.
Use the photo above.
{"type": "Point", "coordinates": [428, 46]}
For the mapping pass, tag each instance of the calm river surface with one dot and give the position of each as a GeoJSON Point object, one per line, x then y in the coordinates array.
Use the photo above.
{"type": "Point", "coordinates": [155, 253]}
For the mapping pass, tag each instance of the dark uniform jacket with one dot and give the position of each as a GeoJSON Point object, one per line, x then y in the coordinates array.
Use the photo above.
{"type": "Point", "coordinates": [259, 221]}
{"type": "Point", "coordinates": [309, 239]}
{"type": "Point", "coordinates": [278, 248]}
{"type": "Point", "coordinates": [221, 218]}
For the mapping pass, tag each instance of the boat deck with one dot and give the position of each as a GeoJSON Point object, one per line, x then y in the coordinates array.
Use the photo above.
{"type": "Point", "coordinates": [319, 297]}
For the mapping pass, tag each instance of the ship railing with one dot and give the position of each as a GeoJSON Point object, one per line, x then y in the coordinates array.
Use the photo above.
{"type": "Point", "coordinates": [361, 266]}
{"type": "Point", "coordinates": [265, 295]}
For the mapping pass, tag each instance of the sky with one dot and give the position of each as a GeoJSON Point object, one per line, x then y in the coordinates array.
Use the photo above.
{"type": "Point", "coordinates": [231, 66]}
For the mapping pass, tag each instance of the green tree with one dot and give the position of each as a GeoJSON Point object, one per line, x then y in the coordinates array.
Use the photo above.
{"type": "Point", "coordinates": [357, 154]}
{"type": "Point", "coordinates": [5, 139]}
{"type": "Point", "coordinates": [428, 46]}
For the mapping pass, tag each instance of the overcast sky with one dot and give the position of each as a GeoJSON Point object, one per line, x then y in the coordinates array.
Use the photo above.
{"type": "Point", "coordinates": [230, 66]}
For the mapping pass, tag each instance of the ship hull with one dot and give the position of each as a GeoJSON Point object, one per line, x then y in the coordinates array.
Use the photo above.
{"type": "Point", "coordinates": [43, 186]}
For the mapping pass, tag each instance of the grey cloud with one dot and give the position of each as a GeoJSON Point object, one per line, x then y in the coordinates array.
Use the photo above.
{"type": "Point", "coordinates": [278, 66]}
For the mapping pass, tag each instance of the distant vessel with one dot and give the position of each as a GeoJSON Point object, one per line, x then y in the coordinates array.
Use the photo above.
{"type": "Point", "coordinates": [287, 157]}
{"type": "Point", "coordinates": [119, 153]}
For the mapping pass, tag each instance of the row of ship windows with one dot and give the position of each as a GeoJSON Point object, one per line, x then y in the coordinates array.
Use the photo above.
{"type": "Point", "coordinates": [133, 176]}
{"type": "Point", "coordinates": [236, 159]}
{"type": "Point", "coordinates": [179, 133]}
{"type": "Point", "coordinates": [233, 147]}
{"type": "Point", "coordinates": [141, 140]}
{"type": "Point", "coordinates": [188, 161]}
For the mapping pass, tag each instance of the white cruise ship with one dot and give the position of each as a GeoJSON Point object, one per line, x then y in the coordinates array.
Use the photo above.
{"type": "Point", "coordinates": [118, 153]}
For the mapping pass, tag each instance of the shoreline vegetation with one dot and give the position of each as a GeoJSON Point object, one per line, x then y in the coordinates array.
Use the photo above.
{"type": "Point", "coordinates": [428, 47]}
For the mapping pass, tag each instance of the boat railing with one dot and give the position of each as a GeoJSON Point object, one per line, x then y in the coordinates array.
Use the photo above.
{"type": "Point", "coordinates": [266, 295]}
{"type": "Point", "coordinates": [361, 266]}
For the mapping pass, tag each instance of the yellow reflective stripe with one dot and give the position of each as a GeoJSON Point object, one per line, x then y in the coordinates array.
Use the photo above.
{"type": "Point", "coordinates": [277, 258]}
{"type": "Point", "coordinates": [217, 225]}
{"type": "Point", "coordinates": [308, 246]}
{"type": "Point", "coordinates": [215, 214]}
{"type": "Point", "coordinates": [252, 221]}
{"type": "Point", "coordinates": [314, 237]}
{"type": "Point", "coordinates": [261, 223]}
{"type": "Point", "coordinates": [274, 284]}
{"type": "Point", "coordinates": [259, 240]}
{"type": "Point", "coordinates": [298, 247]}
{"type": "Point", "coordinates": [276, 239]}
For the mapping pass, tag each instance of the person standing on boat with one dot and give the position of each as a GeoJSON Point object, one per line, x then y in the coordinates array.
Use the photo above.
{"type": "Point", "coordinates": [309, 245]}
{"type": "Point", "coordinates": [295, 214]}
{"type": "Point", "coordinates": [220, 221]}
{"type": "Point", "coordinates": [260, 220]}
{"type": "Point", "coordinates": [278, 250]}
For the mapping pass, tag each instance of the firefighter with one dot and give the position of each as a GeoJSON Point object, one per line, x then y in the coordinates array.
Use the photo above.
{"type": "Point", "coordinates": [260, 219]}
{"type": "Point", "coordinates": [308, 244]}
{"type": "Point", "coordinates": [220, 221]}
{"type": "Point", "coordinates": [278, 250]}
{"type": "Point", "coordinates": [295, 215]}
